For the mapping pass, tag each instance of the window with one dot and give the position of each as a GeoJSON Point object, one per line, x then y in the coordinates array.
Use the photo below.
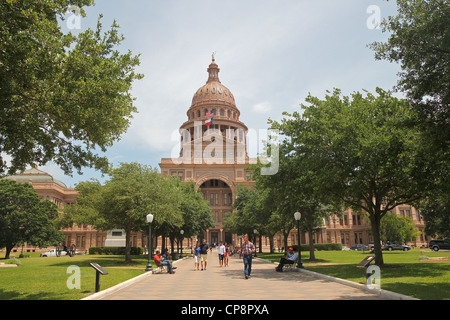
{"type": "Point", "coordinates": [221, 112]}
{"type": "Point", "coordinates": [211, 199]}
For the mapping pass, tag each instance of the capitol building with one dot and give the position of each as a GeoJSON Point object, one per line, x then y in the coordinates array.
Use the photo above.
{"type": "Point", "coordinates": [213, 155]}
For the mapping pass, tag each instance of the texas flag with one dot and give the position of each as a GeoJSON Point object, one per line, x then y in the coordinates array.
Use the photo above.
{"type": "Point", "coordinates": [209, 118]}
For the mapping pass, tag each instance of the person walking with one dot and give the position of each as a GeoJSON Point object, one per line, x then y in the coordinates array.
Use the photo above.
{"type": "Point", "coordinates": [197, 256]}
{"type": "Point", "coordinates": [227, 253]}
{"type": "Point", "coordinates": [221, 253]}
{"type": "Point", "coordinates": [247, 248]}
{"type": "Point", "coordinates": [204, 248]}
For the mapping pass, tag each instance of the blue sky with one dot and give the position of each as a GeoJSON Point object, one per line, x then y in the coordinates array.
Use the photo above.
{"type": "Point", "coordinates": [271, 54]}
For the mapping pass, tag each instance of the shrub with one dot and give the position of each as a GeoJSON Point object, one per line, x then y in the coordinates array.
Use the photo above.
{"type": "Point", "coordinates": [114, 250]}
{"type": "Point", "coordinates": [319, 247]}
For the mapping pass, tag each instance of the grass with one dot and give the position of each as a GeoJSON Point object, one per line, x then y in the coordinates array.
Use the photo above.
{"type": "Point", "coordinates": [403, 272]}
{"type": "Point", "coordinates": [46, 278]}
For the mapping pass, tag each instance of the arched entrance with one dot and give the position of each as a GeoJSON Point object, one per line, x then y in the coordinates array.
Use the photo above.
{"type": "Point", "coordinates": [219, 195]}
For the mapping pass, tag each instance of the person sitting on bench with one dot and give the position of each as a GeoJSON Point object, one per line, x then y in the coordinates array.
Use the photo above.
{"type": "Point", "coordinates": [290, 258]}
{"type": "Point", "coordinates": [160, 262]}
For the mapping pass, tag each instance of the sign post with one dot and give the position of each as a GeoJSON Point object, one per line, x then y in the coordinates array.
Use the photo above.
{"type": "Point", "coordinates": [99, 271]}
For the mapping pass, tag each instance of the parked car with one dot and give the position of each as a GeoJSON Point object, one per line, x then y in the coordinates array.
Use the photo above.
{"type": "Point", "coordinates": [52, 253]}
{"type": "Point", "coordinates": [394, 246]}
{"type": "Point", "coordinates": [360, 247]}
{"type": "Point", "coordinates": [436, 245]}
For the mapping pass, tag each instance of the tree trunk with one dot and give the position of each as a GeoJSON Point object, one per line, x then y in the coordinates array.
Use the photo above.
{"type": "Point", "coordinates": [271, 244]}
{"type": "Point", "coordinates": [375, 221]}
{"type": "Point", "coordinates": [285, 240]}
{"type": "Point", "coordinates": [8, 251]}
{"type": "Point", "coordinates": [312, 254]}
{"type": "Point", "coordinates": [127, 246]}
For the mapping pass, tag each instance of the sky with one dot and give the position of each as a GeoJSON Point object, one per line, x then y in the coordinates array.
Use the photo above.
{"type": "Point", "coordinates": [272, 54]}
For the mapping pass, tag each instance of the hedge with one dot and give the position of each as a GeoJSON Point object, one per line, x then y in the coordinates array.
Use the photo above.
{"type": "Point", "coordinates": [319, 247]}
{"type": "Point", "coordinates": [114, 250]}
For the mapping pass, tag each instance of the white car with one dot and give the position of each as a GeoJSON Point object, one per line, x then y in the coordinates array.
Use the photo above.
{"type": "Point", "coordinates": [52, 253]}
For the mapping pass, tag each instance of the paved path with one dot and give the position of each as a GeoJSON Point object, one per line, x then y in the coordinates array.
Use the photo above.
{"type": "Point", "coordinates": [228, 283]}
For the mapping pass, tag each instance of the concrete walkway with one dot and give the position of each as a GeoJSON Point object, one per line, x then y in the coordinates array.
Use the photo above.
{"type": "Point", "coordinates": [228, 283]}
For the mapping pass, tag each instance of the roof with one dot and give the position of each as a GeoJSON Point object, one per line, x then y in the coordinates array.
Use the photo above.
{"type": "Point", "coordinates": [35, 175]}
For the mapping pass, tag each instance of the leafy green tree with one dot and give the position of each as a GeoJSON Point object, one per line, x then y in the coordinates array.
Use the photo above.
{"type": "Point", "coordinates": [291, 190]}
{"type": "Point", "coordinates": [25, 218]}
{"type": "Point", "coordinates": [436, 214]}
{"type": "Point", "coordinates": [242, 220]}
{"type": "Point", "coordinates": [123, 202]}
{"type": "Point", "coordinates": [397, 229]}
{"type": "Point", "coordinates": [62, 96]}
{"type": "Point", "coordinates": [419, 41]}
{"type": "Point", "coordinates": [360, 152]}
{"type": "Point", "coordinates": [195, 210]}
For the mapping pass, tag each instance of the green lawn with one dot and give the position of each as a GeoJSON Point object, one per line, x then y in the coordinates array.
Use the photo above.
{"type": "Point", "coordinates": [403, 272]}
{"type": "Point", "coordinates": [39, 278]}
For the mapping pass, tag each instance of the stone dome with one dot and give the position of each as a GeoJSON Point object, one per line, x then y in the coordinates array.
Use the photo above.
{"type": "Point", "coordinates": [213, 92]}
{"type": "Point", "coordinates": [35, 175]}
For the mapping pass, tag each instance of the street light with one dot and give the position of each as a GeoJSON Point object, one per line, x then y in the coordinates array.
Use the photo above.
{"type": "Point", "coordinates": [297, 217]}
{"type": "Point", "coordinates": [181, 232]}
{"type": "Point", "coordinates": [149, 263]}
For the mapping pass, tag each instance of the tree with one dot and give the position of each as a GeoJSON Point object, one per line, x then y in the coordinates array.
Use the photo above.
{"type": "Point", "coordinates": [420, 42]}
{"type": "Point", "coordinates": [62, 96]}
{"type": "Point", "coordinates": [397, 229]}
{"type": "Point", "coordinates": [123, 202]}
{"type": "Point", "coordinates": [292, 190]}
{"type": "Point", "coordinates": [361, 152]}
{"type": "Point", "coordinates": [195, 210]}
{"type": "Point", "coordinates": [25, 218]}
{"type": "Point", "coordinates": [436, 214]}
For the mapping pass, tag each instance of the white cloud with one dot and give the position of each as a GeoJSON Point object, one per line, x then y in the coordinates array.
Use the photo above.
{"type": "Point", "coordinates": [262, 108]}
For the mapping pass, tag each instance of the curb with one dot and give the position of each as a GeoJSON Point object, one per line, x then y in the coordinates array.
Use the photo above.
{"type": "Point", "coordinates": [381, 293]}
{"type": "Point", "coordinates": [101, 294]}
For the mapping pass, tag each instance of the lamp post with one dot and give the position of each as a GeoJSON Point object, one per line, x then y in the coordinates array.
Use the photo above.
{"type": "Point", "coordinates": [149, 263]}
{"type": "Point", "coordinates": [297, 217]}
{"type": "Point", "coordinates": [181, 232]}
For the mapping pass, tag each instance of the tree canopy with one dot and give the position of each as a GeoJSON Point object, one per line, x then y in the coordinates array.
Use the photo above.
{"type": "Point", "coordinates": [132, 192]}
{"type": "Point", "coordinates": [24, 218]}
{"type": "Point", "coordinates": [62, 96]}
{"type": "Point", "coordinates": [360, 151]}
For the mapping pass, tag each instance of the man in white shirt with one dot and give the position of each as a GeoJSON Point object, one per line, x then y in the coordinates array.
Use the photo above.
{"type": "Point", "coordinates": [289, 259]}
{"type": "Point", "coordinates": [221, 253]}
